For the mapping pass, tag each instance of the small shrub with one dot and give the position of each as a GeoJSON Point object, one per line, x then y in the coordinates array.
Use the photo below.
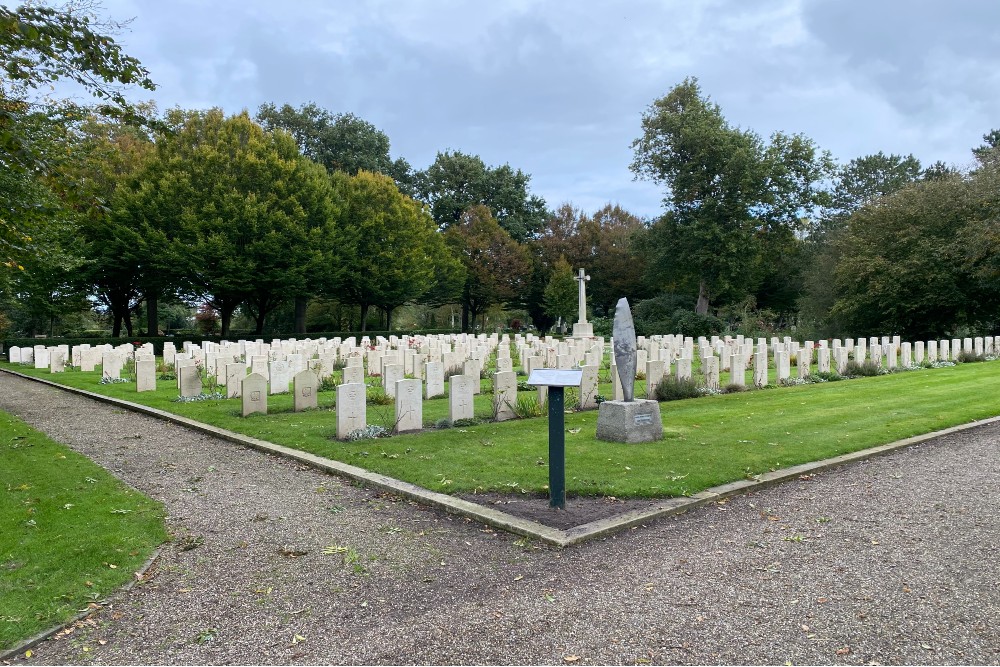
{"type": "Point", "coordinates": [377, 396]}
{"type": "Point", "coordinates": [969, 357]}
{"type": "Point", "coordinates": [672, 389]}
{"type": "Point", "coordinates": [473, 421]}
{"type": "Point", "coordinates": [826, 376]}
{"type": "Point", "coordinates": [442, 423]}
{"type": "Point", "coordinates": [329, 383]}
{"type": "Point", "coordinates": [734, 388]}
{"type": "Point", "coordinates": [867, 369]}
{"type": "Point", "coordinates": [527, 406]}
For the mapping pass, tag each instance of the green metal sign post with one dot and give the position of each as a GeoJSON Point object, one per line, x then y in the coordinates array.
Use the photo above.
{"type": "Point", "coordinates": [556, 381]}
{"type": "Point", "coordinates": [557, 448]}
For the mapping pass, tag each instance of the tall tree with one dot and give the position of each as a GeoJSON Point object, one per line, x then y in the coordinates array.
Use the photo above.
{"type": "Point", "coordinates": [392, 247]}
{"type": "Point", "coordinates": [106, 153]}
{"type": "Point", "coordinates": [497, 266]}
{"type": "Point", "coordinates": [901, 268]}
{"type": "Point", "coordinates": [454, 182]}
{"type": "Point", "coordinates": [866, 179]}
{"type": "Point", "coordinates": [562, 292]}
{"type": "Point", "coordinates": [724, 186]}
{"type": "Point", "coordinates": [249, 212]}
{"type": "Point", "coordinates": [40, 45]}
{"type": "Point", "coordinates": [340, 142]}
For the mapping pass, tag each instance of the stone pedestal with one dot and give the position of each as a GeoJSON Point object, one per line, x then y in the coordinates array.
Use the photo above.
{"type": "Point", "coordinates": [583, 330]}
{"type": "Point", "coordinates": [629, 421]}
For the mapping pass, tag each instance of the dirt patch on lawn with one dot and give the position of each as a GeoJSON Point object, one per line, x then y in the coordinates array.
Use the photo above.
{"type": "Point", "coordinates": [579, 509]}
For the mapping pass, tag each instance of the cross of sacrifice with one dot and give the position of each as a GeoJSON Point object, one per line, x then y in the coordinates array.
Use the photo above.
{"type": "Point", "coordinates": [582, 278]}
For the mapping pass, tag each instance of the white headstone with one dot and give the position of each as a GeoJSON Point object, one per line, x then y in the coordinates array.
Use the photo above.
{"type": "Point", "coordinates": [351, 408]}
{"type": "Point", "coordinates": [306, 390]}
{"type": "Point", "coordinates": [460, 403]}
{"type": "Point", "coordinates": [254, 391]}
{"type": "Point", "coordinates": [409, 406]}
{"type": "Point", "coordinates": [391, 374]}
{"type": "Point", "coordinates": [504, 395]}
{"type": "Point", "coordinates": [190, 379]}
{"type": "Point", "coordinates": [235, 373]}
{"type": "Point", "coordinates": [279, 373]}
{"type": "Point", "coordinates": [145, 375]}
{"type": "Point", "coordinates": [434, 370]}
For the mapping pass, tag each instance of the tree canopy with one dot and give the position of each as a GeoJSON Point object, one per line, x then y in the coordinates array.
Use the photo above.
{"type": "Point", "coordinates": [725, 187]}
{"type": "Point", "coordinates": [455, 182]}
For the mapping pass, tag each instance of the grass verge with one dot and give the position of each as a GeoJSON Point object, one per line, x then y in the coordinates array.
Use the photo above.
{"type": "Point", "coordinates": [70, 533]}
{"type": "Point", "coordinates": [708, 441]}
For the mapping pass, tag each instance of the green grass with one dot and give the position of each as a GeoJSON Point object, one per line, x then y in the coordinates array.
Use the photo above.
{"type": "Point", "coordinates": [708, 441]}
{"type": "Point", "coordinates": [64, 522]}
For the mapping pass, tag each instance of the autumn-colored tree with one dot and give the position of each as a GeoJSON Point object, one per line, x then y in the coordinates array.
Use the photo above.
{"type": "Point", "coordinates": [497, 266]}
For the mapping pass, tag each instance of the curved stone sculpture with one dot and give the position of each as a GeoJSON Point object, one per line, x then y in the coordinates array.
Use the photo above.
{"type": "Point", "coordinates": [625, 347]}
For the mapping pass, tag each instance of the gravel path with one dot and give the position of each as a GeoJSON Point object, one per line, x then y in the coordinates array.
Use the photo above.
{"type": "Point", "coordinates": [891, 561]}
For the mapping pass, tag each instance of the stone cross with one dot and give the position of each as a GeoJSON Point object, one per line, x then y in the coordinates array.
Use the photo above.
{"type": "Point", "coordinates": [582, 278]}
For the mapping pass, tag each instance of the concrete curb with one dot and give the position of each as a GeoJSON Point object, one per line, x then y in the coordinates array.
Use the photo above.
{"type": "Point", "coordinates": [28, 644]}
{"type": "Point", "coordinates": [497, 519]}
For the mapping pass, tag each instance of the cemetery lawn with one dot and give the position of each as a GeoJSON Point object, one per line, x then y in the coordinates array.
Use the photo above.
{"type": "Point", "coordinates": [707, 441]}
{"type": "Point", "coordinates": [70, 533]}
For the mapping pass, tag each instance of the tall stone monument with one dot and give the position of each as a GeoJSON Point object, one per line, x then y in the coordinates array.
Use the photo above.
{"type": "Point", "coordinates": [583, 328]}
{"type": "Point", "coordinates": [627, 420]}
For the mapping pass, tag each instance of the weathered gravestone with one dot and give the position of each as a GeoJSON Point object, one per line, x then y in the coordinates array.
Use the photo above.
{"type": "Point", "coordinates": [111, 365]}
{"type": "Point", "coordinates": [434, 370]}
{"type": "Point", "coordinates": [710, 368]}
{"type": "Point", "coordinates": [627, 420]}
{"type": "Point", "coordinates": [588, 387]}
{"type": "Point", "coordinates": [354, 375]}
{"type": "Point", "coordinates": [190, 380]}
{"type": "Point", "coordinates": [409, 406]}
{"type": "Point", "coordinates": [57, 361]}
{"type": "Point", "coordinates": [391, 374]}
{"type": "Point", "coordinates": [351, 406]}
{"type": "Point", "coordinates": [279, 373]}
{"type": "Point", "coordinates": [460, 405]}
{"type": "Point", "coordinates": [254, 390]}
{"type": "Point", "coordinates": [306, 386]}
{"type": "Point", "coordinates": [145, 375]}
{"type": "Point", "coordinates": [760, 369]}
{"type": "Point", "coordinates": [504, 395]}
{"type": "Point", "coordinates": [235, 373]}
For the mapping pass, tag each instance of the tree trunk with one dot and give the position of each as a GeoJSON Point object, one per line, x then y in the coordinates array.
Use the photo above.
{"type": "Point", "coordinates": [388, 317]}
{"type": "Point", "coordinates": [702, 307]}
{"type": "Point", "coordinates": [364, 317]}
{"type": "Point", "coordinates": [300, 314]}
{"type": "Point", "coordinates": [116, 328]}
{"type": "Point", "coordinates": [465, 317]}
{"type": "Point", "coordinates": [259, 322]}
{"type": "Point", "coordinates": [128, 323]}
{"type": "Point", "coordinates": [152, 317]}
{"type": "Point", "coordinates": [226, 314]}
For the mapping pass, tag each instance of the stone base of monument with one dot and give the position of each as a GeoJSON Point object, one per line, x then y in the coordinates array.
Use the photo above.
{"type": "Point", "coordinates": [629, 421]}
{"type": "Point", "coordinates": [583, 330]}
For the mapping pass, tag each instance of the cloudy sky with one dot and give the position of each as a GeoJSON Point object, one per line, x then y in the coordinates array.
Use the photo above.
{"type": "Point", "coordinates": [557, 87]}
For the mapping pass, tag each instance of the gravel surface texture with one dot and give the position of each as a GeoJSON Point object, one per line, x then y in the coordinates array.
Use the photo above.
{"type": "Point", "coordinates": [890, 561]}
